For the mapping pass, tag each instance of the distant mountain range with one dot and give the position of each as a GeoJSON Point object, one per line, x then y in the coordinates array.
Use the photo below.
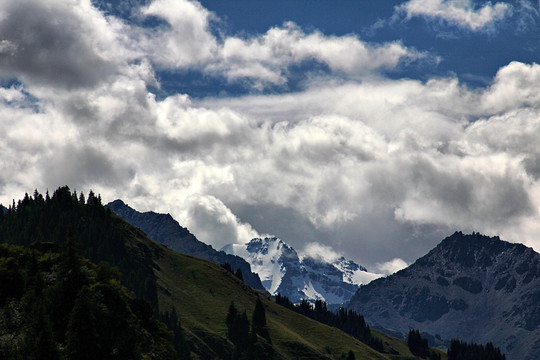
{"type": "Point", "coordinates": [471, 287]}
{"type": "Point", "coordinates": [283, 271]}
{"type": "Point", "coordinates": [164, 229]}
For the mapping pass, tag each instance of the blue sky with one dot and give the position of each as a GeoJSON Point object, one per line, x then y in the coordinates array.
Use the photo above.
{"type": "Point", "coordinates": [371, 129]}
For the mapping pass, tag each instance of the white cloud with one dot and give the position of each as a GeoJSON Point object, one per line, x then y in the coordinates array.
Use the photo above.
{"type": "Point", "coordinates": [319, 251]}
{"type": "Point", "coordinates": [12, 93]}
{"type": "Point", "coordinates": [188, 41]}
{"type": "Point", "coordinates": [461, 13]}
{"type": "Point", "coordinates": [382, 167]}
{"type": "Point", "coordinates": [392, 266]}
{"type": "Point", "coordinates": [266, 58]}
{"type": "Point", "coordinates": [515, 85]}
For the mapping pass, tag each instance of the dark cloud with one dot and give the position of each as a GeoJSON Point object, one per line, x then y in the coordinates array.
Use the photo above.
{"type": "Point", "coordinates": [284, 222]}
{"type": "Point", "coordinates": [49, 44]}
{"type": "Point", "coordinates": [532, 165]}
{"type": "Point", "coordinates": [460, 192]}
{"type": "Point", "coordinates": [82, 166]}
{"type": "Point", "coordinates": [369, 239]}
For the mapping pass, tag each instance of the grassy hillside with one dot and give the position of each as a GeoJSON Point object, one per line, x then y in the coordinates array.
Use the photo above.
{"type": "Point", "coordinates": [203, 292]}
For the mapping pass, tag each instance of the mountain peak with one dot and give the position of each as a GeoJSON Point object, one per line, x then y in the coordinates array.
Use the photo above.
{"type": "Point", "coordinates": [465, 285]}
{"type": "Point", "coordinates": [469, 250]}
{"type": "Point", "coordinates": [283, 271]}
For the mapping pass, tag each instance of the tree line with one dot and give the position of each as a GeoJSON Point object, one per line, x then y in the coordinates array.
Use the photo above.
{"type": "Point", "coordinates": [238, 273]}
{"type": "Point", "coordinates": [458, 350]}
{"type": "Point", "coordinates": [346, 320]}
{"type": "Point", "coordinates": [98, 234]}
{"type": "Point", "coordinates": [254, 344]}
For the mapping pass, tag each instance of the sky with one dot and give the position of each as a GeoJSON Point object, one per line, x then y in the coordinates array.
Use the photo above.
{"type": "Point", "coordinates": [369, 129]}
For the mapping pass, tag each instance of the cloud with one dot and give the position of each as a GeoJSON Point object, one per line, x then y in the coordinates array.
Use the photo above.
{"type": "Point", "coordinates": [319, 251]}
{"type": "Point", "coordinates": [392, 266]}
{"type": "Point", "coordinates": [11, 94]}
{"type": "Point", "coordinates": [84, 166]}
{"type": "Point", "coordinates": [374, 167]}
{"type": "Point", "coordinates": [57, 43]}
{"type": "Point", "coordinates": [214, 223]}
{"type": "Point", "coordinates": [461, 13]}
{"type": "Point", "coordinates": [266, 58]}
{"type": "Point", "coordinates": [187, 41]}
{"type": "Point", "coordinates": [515, 85]}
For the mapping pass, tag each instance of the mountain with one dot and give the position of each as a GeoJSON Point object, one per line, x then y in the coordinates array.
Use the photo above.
{"type": "Point", "coordinates": [283, 271]}
{"type": "Point", "coordinates": [167, 231]}
{"type": "Point", "coordinates": [181, 290]}
{"type": "Point", "coordinates": [469, 287]}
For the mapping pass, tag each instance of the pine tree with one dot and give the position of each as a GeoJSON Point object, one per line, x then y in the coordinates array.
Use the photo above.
{"type": "Point", "coordinates": [417, 344]}
{"type": "Point", "coordinates": [81, 335]}
{"type": "Point", "coordinates": [232, 314]}
{"type": "Point", "coordinates": [259, 321]}
{"type": "Point", "coordinates": [239, 275]}
{"type": "Point", "coordinates": [38, 343]}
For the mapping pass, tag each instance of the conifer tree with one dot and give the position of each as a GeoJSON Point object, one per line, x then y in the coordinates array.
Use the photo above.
{"type": "Point", "coordinates": [81, 333]}
{"type": "Point", "coordinates": [259, 321]}
{"type": "Point", "coordinates": [38, 343]}
{"type": "Point", "coordinates": [232, 314]}
{"type": "Point", "coordinates": [239, 275]}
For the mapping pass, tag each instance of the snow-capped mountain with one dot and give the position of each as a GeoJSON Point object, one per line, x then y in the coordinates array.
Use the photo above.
{"type": "Point", "coordinates": [282, 271]}
{"type": "Point", "coordinates": [471, 287]}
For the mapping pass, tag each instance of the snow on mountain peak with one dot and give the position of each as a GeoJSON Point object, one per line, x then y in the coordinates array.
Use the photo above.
{"type": "Point", "coordinates": [320, 273]}
{"type": "Point", "coordinates": [269, 257]}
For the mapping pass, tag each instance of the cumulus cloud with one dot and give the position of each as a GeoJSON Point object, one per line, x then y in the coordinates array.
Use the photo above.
{"type": "Point", "coordinates": [266, 58]}
{"type": "Point", "coordinates": [319, 251]}
{"type": "Point", "coordinates": [377, 168]}
{"type": "Point", "coordinates": [461, 13]}
{"type": "Point", "coordinates": [515, 85]}
{"type": "Point", "coordinates": [187, 41]}
{"type": "Point", "coordinates": [392, 266]}
{"type": "Point", "coordinates": [62, 43]}
{"type": "Point", "coordinates": [214, 223]}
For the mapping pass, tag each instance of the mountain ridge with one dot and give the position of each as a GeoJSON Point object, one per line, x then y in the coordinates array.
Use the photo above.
{"type": "Point", "coordinates": [471, 287]}
{"type": "Point", "coordinates": [164, 229]}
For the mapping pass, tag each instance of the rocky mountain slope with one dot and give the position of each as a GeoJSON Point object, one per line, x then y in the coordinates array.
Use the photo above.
{"type": "Point", "coordinates": [167, 231]}
{"type": "Point", "coordinates": [471, 287]}
{"type": "Point", "coordinates": [283, 271]}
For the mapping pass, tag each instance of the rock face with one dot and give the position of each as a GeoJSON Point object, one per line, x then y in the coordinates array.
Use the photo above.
{"type": "Point", "coordinates": [470, 287]}
{"type": "Point", "coordinates": [283, 271]}
{"type": "Point", "coordinates": [164, 229]}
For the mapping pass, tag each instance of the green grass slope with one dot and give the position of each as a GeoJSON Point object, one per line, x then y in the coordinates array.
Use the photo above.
{"type": "Point", "coordinates": [203, 291]}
